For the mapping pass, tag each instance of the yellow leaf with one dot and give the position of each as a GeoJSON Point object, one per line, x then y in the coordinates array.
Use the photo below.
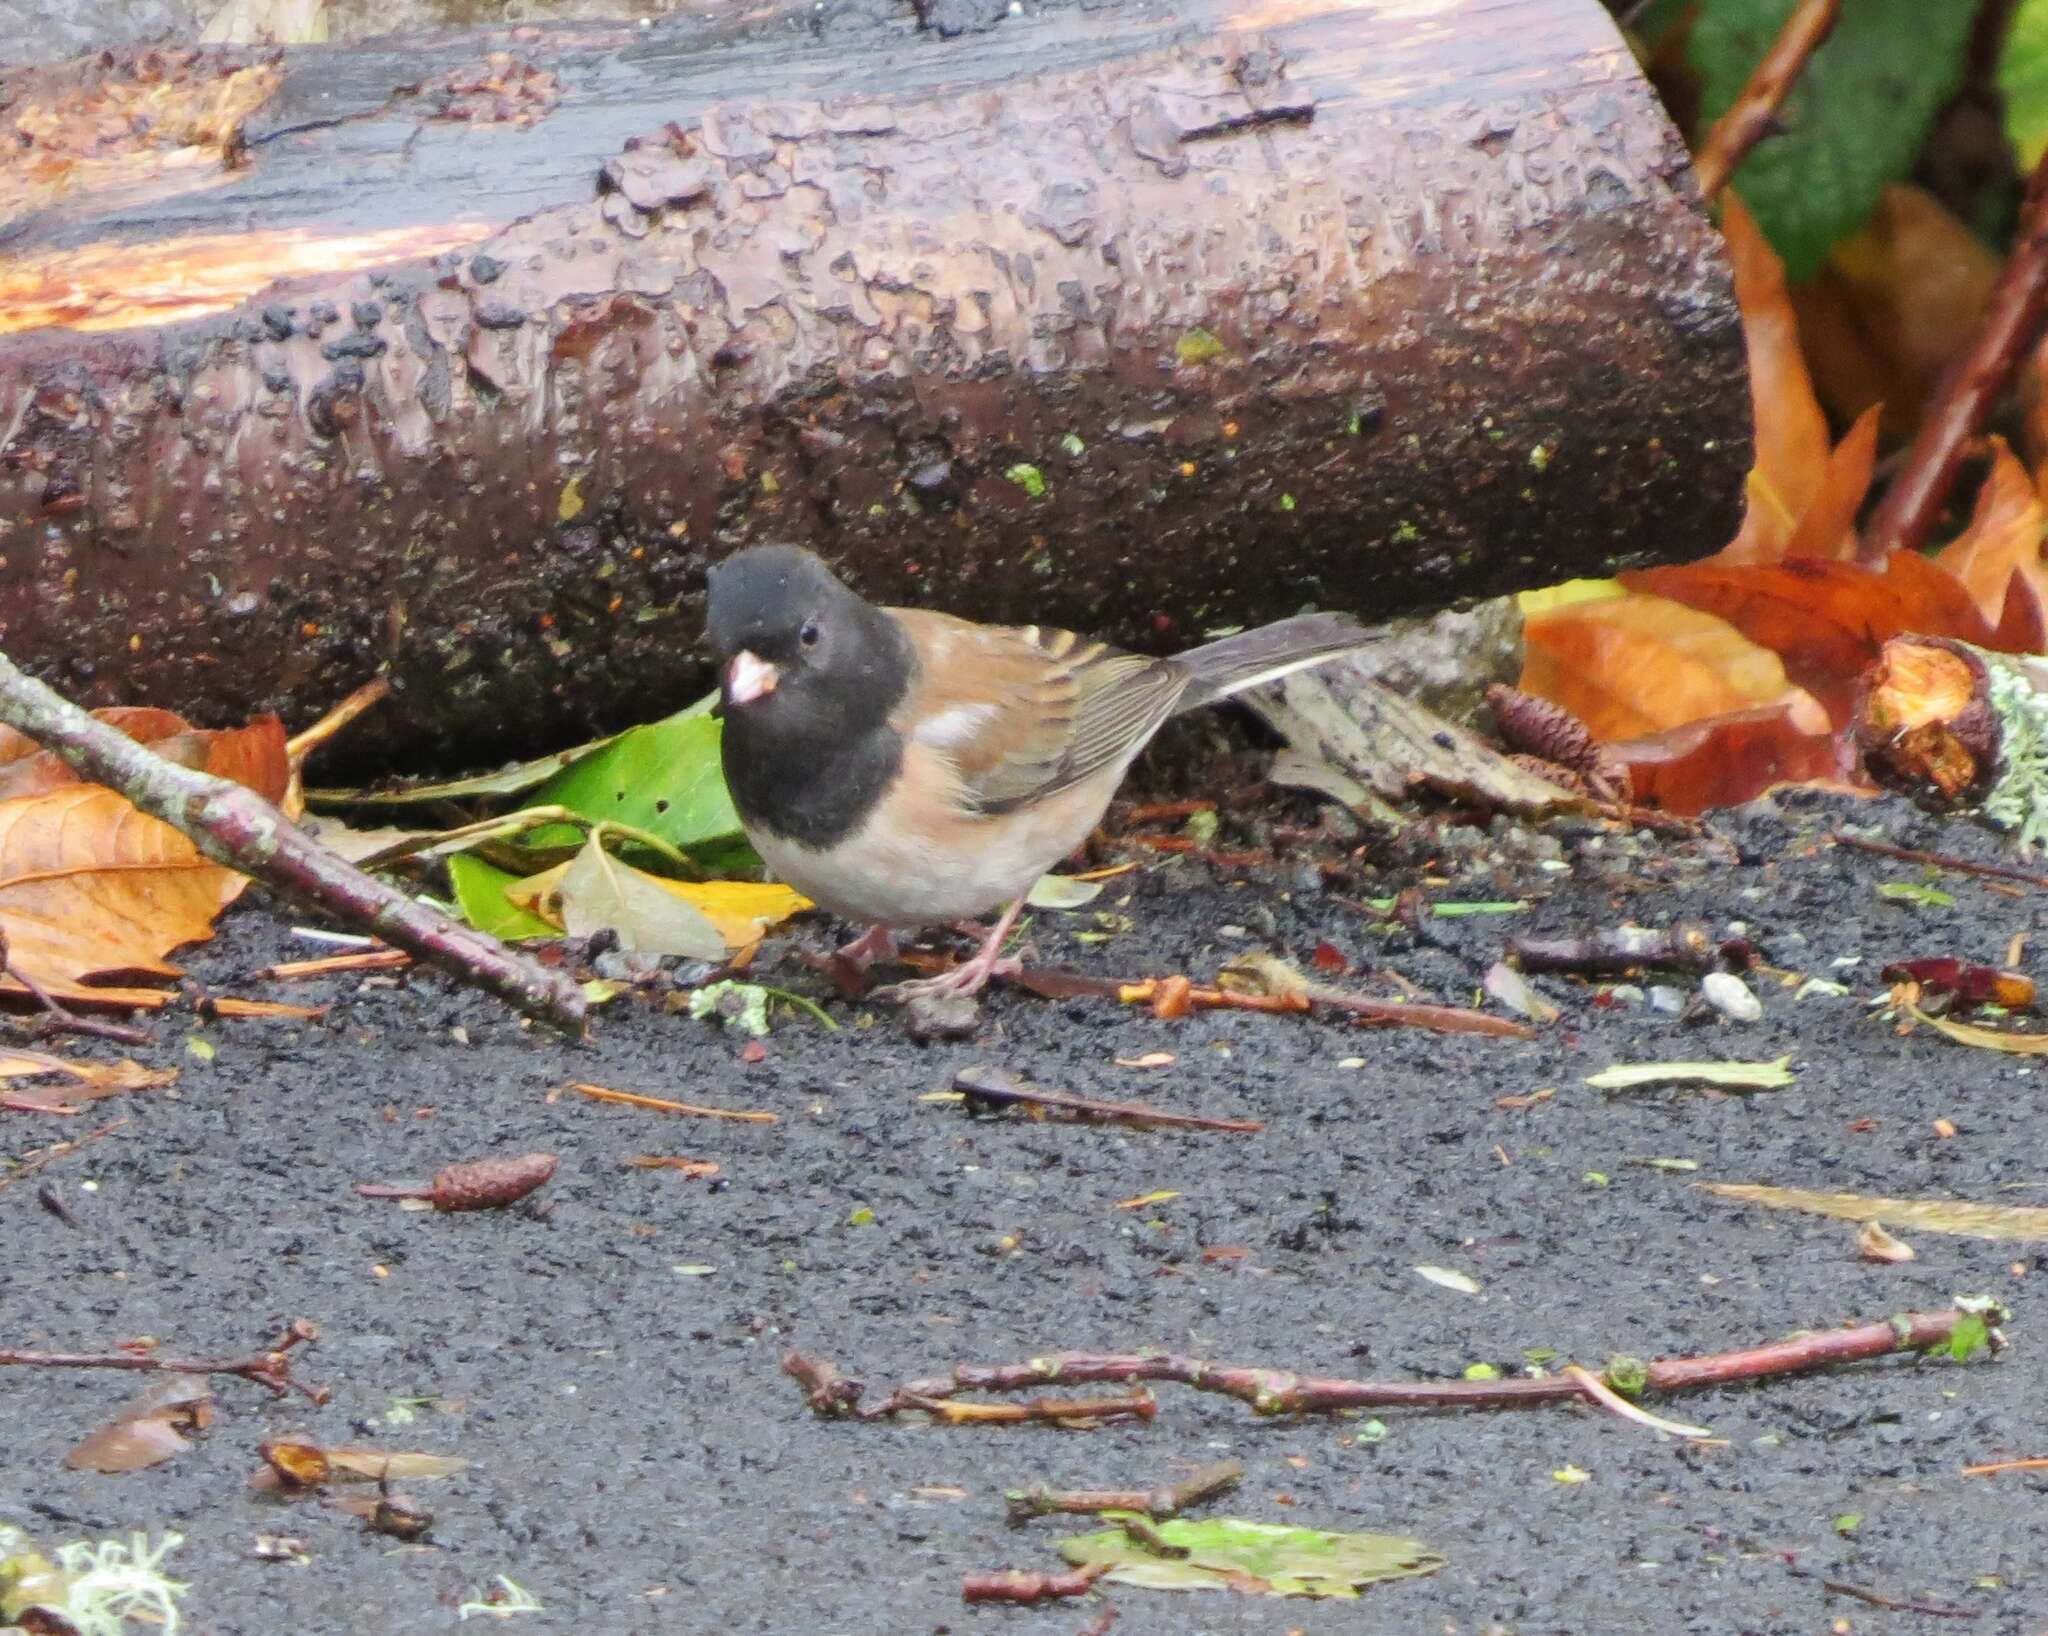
{"type": "Point", "coordinates": [741, 910]}
{"type": "Point", "coordinates": [1985, 1039]}
{"type": "Point", "coordinates": [2003, 539]}
{"type": "Point", "coordinates": [1145, 1199]}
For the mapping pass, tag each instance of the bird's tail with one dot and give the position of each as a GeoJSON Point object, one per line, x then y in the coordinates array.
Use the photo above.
{"type": "Point", "coordinates": [1234, 663]}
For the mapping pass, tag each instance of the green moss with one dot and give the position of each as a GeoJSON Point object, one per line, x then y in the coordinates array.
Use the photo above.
{"type": "Point", "coordinates": [1198, 346]}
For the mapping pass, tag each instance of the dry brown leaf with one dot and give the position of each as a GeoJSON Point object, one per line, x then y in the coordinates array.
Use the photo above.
{"type": "Point", "coordinates": [376, 1465]}
{"type": "Point", "coordinates": [149, 1430]}
{"type": "Point", "coordinates": [1792, 442]}
{"type": "Point", "coordinates": [88, 1081]}
{"type": "Point", "coordinates": [2003, 539]}
{"type": "Point", "coordinates": [1873, 1243]}
{"type": "Point", "coordinates": [1631, 665]}
{"type": "Point", "coordinates": [253, 755]}
{"type": "Point", "coordinates": [2000, 1221]}
{"type": "Point", "coordinates": [89, 885]}
{"type": "Point", "coordinates": [1896, 301]}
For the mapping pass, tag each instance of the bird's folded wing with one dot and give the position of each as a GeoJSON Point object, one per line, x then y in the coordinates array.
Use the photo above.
{"type": "Point", "coordinates": [1024, 712]}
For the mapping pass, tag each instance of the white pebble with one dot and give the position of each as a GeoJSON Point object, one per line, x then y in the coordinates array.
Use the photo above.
{"type": "Point", "coordinates": [1729, 995]}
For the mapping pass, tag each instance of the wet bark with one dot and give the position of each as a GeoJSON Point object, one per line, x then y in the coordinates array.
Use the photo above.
{"type": "Point", "coordinates": [463, 357]}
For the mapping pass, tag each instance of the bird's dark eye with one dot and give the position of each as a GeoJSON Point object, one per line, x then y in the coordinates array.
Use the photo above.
{"type": "Point", "coordinates": [808, 634]}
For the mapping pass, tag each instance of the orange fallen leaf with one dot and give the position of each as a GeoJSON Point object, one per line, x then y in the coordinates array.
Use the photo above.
{"type": "Point", "coordinates": [1727, 760]}
{"type": "Point", "coordinates": [1825, 620]}
{"type": "Point", "coordinates": [2003, 539]}
{"type": "Point", "coordinates": [86, 1081]}
{"type": "Point", "coordinates": [1792, 442]}
{"type": "Point", "coordinates": [1637, 664]}
{"type": "Point", "coordinates": [1827, 528]}
{"type": "Point", "coordinates": [253, 755]}
{"type": "Point", "coordinates": [88, 885]}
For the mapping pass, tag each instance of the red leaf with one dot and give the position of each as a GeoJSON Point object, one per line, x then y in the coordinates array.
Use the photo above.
{"type": "Point", "coordinates": [1732, 759]}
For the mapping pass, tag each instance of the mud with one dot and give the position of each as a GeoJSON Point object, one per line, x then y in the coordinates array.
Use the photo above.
{"type": "Point", "coordinates": [608, 1361]}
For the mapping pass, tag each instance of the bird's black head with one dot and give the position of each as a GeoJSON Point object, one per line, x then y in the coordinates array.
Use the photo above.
{"type": "Point", "coordinates": [799, 655]}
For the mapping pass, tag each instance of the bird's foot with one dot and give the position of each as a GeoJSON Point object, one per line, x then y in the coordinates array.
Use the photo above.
{"type": "Point", "coordinates": [848, 966]}
{"type": "Point", "coordinates": [972, 975]}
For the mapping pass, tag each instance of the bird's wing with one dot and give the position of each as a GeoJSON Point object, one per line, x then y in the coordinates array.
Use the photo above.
{"type": "Point", "coordinates": [1024, 712]}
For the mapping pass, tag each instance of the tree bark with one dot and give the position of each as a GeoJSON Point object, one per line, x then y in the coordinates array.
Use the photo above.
{"type": "Point", "coordinates": [463, 357]}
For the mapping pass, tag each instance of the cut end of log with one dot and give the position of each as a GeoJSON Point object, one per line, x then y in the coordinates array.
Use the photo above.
{"type": "Point", "coordinates": [1926, 725]}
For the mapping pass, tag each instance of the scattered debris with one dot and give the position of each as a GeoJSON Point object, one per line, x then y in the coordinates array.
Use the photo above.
{"type": "Point", "coordinates": [986, 1088]}
{"type": "Point", "coordinates": [1157, 1503]}
{"type": "Point", "coordinates": [150, 1430]}
{"type": "Point", "coordinates": [1873, 1243]}
{"type": "Point", "coordinates": [271, 1369]}
{"type": "Point", "coordinates": [1612, 950]}
{"type": "Point", "coordinates": [2028, 1223]}
{"type": "Point", "coordinates": [1257, 1558]}
{"type": "Point", "coordinates": [1727, 1076]}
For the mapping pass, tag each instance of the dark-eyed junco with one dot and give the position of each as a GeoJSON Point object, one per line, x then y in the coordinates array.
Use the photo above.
{"type": "Point", "coordinates": [904, 768]}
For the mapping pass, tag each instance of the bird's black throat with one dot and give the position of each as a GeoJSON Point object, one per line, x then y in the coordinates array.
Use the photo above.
{"type": "Point", "coordinates": [810, 762]}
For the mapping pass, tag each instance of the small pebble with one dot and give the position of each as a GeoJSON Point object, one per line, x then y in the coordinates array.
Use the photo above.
{"type": "Point", "coordinates": [1730, 995]}
{"type": "Point", "coordinates": [1667, 999]}
{"type": "Point", "coordinates": [941, 1016]}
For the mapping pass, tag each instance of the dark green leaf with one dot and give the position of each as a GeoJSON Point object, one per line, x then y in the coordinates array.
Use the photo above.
{"type": "Point", "coordinates": [1854, 122]}
{"type": "Point", "coordinates": [664, 778]}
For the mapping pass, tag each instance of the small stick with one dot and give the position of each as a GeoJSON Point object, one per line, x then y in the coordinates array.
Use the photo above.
{"type": "Point", "coordinates": [272, 1368]}
{"type": "Point", "coordinates": [1161, 812]}
{"type": "Point", "coordinates": [237, 828]}
{"type": "Point", "coordinates": [58, 1018]}
{"type": "Point", "coordinates": [1682, 947]}
{"type": "Point", "coordinates": [1158, 1504]}
{"type": "Point", "coordinates": [301, 745]}
{"type": "Point", "coordinates": [1183, 846]}
{"type": "Point", "coordinates": [1939, 860]}
{"type": "Point", "coordinates": [55, 1151]}
{"type": "Point", "coordinates": [1933, 1610]}
{"type": "Point", "coordinates": [1753, 115]}
{"type": "Point", "coordinates": [1029, 1589]}
{"type": "Point", "coordinates": [1148, 991]}
{"type": "Point", "coordinates": [330, 965]}
{"type": "Point", "coordinates": [1968, 388]}
{"type": "Point", "coordinates": [2032, 1463]}
{"type": "Point", "coordinates": [993, 1087]}
{"type": "Point", "coordinates": [1279, 1391]}
{"type": "Point", "coordinates": [634, 1099]}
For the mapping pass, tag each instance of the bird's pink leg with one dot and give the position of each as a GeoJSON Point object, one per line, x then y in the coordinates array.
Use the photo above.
{"type": "Point", "coordinates": [876, 943]}
{"type": "Point", "coordinates": [970, 976]}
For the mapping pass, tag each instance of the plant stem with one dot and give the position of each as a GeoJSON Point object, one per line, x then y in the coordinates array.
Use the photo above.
{"type": "Point", "coordinates": [1753, 115]}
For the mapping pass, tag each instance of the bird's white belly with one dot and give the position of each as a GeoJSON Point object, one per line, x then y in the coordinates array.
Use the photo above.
{"type": "Point", "coordinates": [884, 875]}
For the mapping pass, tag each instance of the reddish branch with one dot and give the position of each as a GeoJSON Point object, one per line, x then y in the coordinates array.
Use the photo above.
{"type": "Point", "coordinates": [237, 828]}
{"type": "Point", "coordinates": [1279, 1391]}
{"type": "Point", "coordinates": [994, 1088]}
{"type": "Point", "coordinates": [1753, 115]}
{"type": "Point", "coordinates": [1968, 388]}
{"type": "Point", "coordinates": [1029, 1589]}
{"type": "Point", "coordinates": [272, 1369]}
{"type": "Point", "coordinates": [1157, 1503]}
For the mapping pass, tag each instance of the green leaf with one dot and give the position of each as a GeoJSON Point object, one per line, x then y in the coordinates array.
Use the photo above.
{"type": "Point", "coordinates": [664, 778]}
{"type": "Point", "coordinates": [1028, 478]}
{"type": "Point", "coordinates": [480, 895]}
{"type": "Point", "coordinates": [1921, 897]}
{"type": "Point", "coordinates": [1970, 1336]}
{"type": "Point", "coordinates": [1854, 121]}
{"type": "Point", "coordinates": [1267, 1558]}
{"type": "Point", "coordinates": [1062, 892]}
{"type": "Point", "coordinates": [601, 893]}
{"type": "Point", "coordinates": [2023, 80]}
{"type": "Point", "coordinates": [1848, 1522]}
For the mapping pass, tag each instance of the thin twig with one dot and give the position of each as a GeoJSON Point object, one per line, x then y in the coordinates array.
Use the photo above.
{"type": "Point", "coordinates": [1892, 1604]}
{"type": "Point", "coordinates": [2031, 1463]}
{"type": "Point", "coordinates": [996, 1088]}
{"type": "Point", "coordinates": [1157, 1503]}
{"type": "Point", "coordinates": [56, 1150]}
{"type": "Point", "coordinates": [1969, 387]}
{"type": "Point", "coordinates": [58, 1018]}
{"type": "Point", "coordinates": [272, 1369]}
{"type": "Point", "coordinates": [1939, 860]}
{"type": "Point", "coordinates": [1277, 1391]}
{"type": "Point", "coordinates": [1753, 115]}
{"type": "Point", "coordinates": [634, 1099]}
{"type": "Point", "coordinates": [301, 745]}
{"type": "Point", "coordinates": [236, 827]}
{"type": "Point", "coordinates": [333, 965]}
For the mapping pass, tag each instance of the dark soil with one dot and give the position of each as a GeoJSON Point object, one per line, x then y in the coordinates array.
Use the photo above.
{"type": "Point", "coordinates": [608, 1361]}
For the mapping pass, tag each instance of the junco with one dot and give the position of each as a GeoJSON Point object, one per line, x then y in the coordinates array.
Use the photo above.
{"type": "Point", "coordinates": [904, 768]}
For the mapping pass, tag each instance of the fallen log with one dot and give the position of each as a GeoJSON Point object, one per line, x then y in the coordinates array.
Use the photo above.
{"type": "Point", "coordinates": [461, 357]}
